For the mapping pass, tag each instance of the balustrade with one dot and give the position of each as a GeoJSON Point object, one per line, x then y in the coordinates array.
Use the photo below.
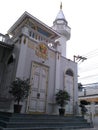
{"type": "Point", "coordinates": [38, 36]}
{"type": "Point", "coordinates": [2, 37]}
{"type": "Point", "coordinates": [5, 38]}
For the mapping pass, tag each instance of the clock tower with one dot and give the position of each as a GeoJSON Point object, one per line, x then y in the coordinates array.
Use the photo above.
{"type": "Point", "coordinates": [61, 26]}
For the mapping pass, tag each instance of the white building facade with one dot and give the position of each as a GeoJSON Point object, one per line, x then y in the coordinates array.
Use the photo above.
{"type": "Point", "coordinates": [39, 53]}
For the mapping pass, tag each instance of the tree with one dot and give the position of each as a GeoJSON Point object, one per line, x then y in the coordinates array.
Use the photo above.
{"type": "Point", "coordinates": [62, 98]}
{"type": "Point", "coordinates": [19, 89]}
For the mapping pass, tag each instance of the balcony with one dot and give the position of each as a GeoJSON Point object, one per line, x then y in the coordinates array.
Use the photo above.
{"type": "Point", "coordinates": [36, 36]}
{"type": "Point", "coordinates": [5, 39]}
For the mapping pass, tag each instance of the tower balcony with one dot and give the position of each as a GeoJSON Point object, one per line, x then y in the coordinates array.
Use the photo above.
{"type": "Point", "coordinates": [65, 30]}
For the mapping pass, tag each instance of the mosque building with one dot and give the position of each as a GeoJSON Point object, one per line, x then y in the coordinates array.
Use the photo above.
{"type": "Point", "coordinates": [38, 52]}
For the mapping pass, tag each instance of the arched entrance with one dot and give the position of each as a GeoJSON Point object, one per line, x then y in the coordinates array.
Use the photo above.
{"type": "Point", "coordinates": [69, 87]}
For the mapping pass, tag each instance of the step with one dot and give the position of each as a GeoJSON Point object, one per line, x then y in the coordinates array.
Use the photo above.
{"type": "Point", "coordinates": [32, 119]}
{"type": "Point", "coordinates": [11, 121]}
{"type": "Point", "coordinates": [42, 117]}
{"type": "Point", "coordinates": [46, 128]}
{"type": "Point", "coordinates": [40, 125]}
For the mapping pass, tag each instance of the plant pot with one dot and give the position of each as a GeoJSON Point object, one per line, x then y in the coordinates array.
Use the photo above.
{"type": "Point", "coordinates": [61, 112]}
{"type": "Point", "coordinates": [17, 108]}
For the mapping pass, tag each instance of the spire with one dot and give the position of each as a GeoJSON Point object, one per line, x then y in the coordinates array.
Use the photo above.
{"type": "Point", "coordinates": [60, 15]}
{"type": "Point", "coordinates": [61, 6]}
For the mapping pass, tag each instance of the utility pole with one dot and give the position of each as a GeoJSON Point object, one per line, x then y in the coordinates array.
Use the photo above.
{"type": "Point", "coordinates": [79, 58]}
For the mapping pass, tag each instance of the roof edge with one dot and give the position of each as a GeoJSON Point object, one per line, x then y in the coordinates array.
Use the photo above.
{"type": "Point", "coordinates": [23, 16]}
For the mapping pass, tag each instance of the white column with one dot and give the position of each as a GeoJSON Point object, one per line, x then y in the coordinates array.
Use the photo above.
{"type": "Point", "coordinates": [57, 72]}
{"type": "Point", "coordinates": [22, 58]}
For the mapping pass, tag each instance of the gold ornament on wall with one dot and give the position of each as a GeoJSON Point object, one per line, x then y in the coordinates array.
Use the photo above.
{"type": "Point", "coordinates": [42, 51]}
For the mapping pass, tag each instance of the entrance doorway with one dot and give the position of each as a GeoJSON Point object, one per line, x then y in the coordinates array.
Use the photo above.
{"type": "Point", "coordinates": [38, 93]}
{"type": "Point", "coordinates": [69, 87]}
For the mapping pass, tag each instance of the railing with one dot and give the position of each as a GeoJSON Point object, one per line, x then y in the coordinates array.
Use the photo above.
{"type": "Point", "coordinates": [2, 37]}
{"type": "Point", "coordinates": [89, 116]}
{"type": "Point", "coordinates": [35, 35]}
{"type": "Point", "coordinates": [38, 37]}
{"type": "Point", "coordinates": [5, 38]}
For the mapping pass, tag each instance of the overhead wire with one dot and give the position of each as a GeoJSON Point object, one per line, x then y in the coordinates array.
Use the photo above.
{"type": "Point", "coordinates": [91, 53]}
{"type": "Point", "coordinates": [89, 76]}
{"type": "Point", "coordinates": [88, 67]}
{"type": "Point", "coordinates": [93, 65]}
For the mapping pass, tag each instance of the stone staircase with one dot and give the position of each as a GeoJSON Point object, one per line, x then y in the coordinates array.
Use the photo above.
{"type": "Point", "coordinates": [4, 101]}
{"type": "Point", "coordinates": [13, 121]}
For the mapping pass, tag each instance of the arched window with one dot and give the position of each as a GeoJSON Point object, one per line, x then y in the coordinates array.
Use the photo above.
{"type": "Point", "coordinates": [69, 72]}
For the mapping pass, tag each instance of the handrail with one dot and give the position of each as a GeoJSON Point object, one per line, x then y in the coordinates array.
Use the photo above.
{"type": "Point", "coordinates": [90, 118]}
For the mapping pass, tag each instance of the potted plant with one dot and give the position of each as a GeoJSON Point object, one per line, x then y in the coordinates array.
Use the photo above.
{"type": "Point", "coordinates": [62, 98]}
{"type": "Point", "coordinates": [19, 89]}
{"type": "Point", "coordinates": [83, 108]}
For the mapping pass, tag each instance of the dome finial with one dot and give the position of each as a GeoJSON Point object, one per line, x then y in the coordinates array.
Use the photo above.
{"type": "Point", "coordinates": [61, 5]}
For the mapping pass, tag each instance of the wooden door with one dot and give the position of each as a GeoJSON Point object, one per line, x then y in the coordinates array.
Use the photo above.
{"type": "Point", "coordinates": [38, 92]}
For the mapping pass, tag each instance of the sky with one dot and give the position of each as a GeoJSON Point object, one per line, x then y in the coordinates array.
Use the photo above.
{"type": "Point", "coordinates": [82, 17]}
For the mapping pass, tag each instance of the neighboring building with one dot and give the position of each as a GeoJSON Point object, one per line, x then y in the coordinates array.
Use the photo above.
{"type": "Point", "coordinates": [38, 52]}
{"type": "Point", "coordinates": [89, 93]}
